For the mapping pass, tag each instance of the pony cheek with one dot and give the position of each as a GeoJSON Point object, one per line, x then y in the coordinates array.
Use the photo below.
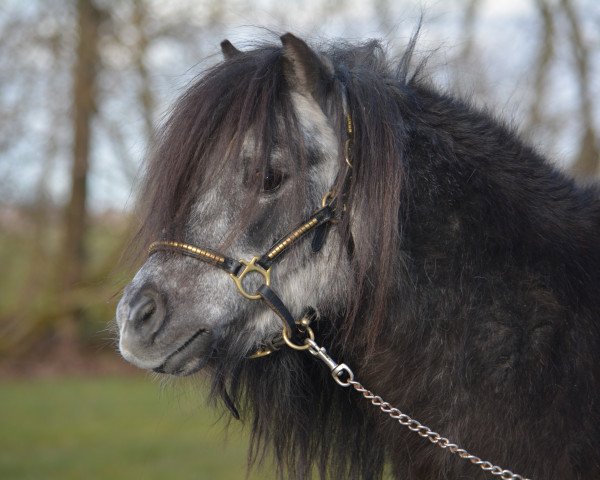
{"type": "Point", "coordinates": [321, 281]}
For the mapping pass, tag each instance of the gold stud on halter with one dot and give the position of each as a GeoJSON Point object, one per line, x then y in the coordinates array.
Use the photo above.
{"type": "Point", "coordinates": [327, 198]}
{"type": "Point", "coordinates": [291, 238]}
{"type": "Point", "coordinates": [185, 248]}
{"type": "Point", "coordinates": [348, 143]}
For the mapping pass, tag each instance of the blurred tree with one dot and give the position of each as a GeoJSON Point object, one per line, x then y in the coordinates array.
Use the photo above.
{"type": "Point", "coordinates": [83, 83]}
{"type": "Point", "coordinates": [33, 106]}
{"type": "Point", "coordinates": [101, 59]}
{"type": "Point", "coordinates": [542, 65]}
{"type": "Point", "coordinates": [587, 160]}
{"type": "Point", "coordinates": [73, 255]}
{"type": "Point", "coordinates": [140, 53]}
{"type": "Point", "coordinates": [469, 22]}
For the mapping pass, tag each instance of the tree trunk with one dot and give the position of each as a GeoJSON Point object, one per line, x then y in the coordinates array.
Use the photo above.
{"type": "Point", "coordinates": [542, 67]}
{"type": "Point", "coordinates": [84, 106]}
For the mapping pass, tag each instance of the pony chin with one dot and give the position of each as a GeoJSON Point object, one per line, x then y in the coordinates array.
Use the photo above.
{"type": "Point", "coordinates": [165, 324]}
{"type": "Point", "coordinates": [188, 359]}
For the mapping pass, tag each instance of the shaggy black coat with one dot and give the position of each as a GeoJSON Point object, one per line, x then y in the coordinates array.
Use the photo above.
{"type": "Point", "coordinates": [491, 336]}
{"type": "Point", "coordinates": [486, 260]}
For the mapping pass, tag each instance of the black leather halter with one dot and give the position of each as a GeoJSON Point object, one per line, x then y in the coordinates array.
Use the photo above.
{"type": "Point", "coordinates": [332, 206]}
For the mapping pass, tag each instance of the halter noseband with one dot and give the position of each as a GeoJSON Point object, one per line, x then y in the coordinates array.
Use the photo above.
{"type": "Point", "coordinates": [318, 222]}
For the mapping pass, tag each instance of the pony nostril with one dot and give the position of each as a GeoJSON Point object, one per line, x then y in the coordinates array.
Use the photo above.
{"type": "Point", "coordinates": [147, 312]}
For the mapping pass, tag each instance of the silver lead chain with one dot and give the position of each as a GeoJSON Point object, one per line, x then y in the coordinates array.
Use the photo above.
{"type": "Point", "coordinates": [344, 376]}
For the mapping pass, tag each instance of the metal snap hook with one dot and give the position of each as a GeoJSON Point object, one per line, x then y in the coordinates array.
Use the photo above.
{"type": "Point", "coordinates": [338, 370]}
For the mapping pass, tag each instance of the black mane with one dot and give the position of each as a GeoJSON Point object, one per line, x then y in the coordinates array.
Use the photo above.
{"type": "Point", "coordinates": [475, 298]}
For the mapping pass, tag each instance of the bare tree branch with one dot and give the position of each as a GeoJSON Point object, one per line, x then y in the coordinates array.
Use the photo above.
{"type": "Point", "coordinates": [84, 107]}
{"type": "Point", "coordinates": [145, 92]}
{"type": "Point", "coordinates": [542, 66]}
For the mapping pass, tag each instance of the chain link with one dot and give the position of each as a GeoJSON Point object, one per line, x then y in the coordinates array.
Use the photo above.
{"type": "Point", "coordinates": [338, 372]}
{"type": "Point", "coordinates": [433, 437]}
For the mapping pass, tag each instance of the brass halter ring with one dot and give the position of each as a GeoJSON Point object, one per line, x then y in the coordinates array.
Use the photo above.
{"type": "Point", "coordinates": [327, 198]}
{"type": "Point", "coordinates": [348, 142]}
{"type": "Point", "coordinates": [293, 345]}
{"type": "Point", "coordinates": [250, 267]}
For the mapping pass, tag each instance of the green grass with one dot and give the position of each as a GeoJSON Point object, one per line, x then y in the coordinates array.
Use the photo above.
{"type": "Point", "coordinates": [114, 428]}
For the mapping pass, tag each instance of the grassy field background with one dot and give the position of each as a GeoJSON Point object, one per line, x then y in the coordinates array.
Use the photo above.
{"type": "Point", "coordinates": [115, 428]}
{"type": "Point", "coordinates": [62, 416]}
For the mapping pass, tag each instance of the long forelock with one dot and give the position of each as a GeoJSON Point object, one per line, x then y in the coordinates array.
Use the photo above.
{"type": "Point", "coordinates": [206, 130]}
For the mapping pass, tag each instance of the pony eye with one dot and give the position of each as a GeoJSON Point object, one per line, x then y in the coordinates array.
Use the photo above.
{"type": "Point", "coordinates": [272, 180]}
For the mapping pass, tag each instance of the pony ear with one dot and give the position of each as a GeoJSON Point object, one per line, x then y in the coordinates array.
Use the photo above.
{"type": "Point", "coordinates": [229, 51]}
{"type": "Point", "coordinates": [303, 68]}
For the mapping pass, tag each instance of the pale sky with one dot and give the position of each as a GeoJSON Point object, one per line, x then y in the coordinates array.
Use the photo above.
{"type": "Point", "coordinates": [507, 33]}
